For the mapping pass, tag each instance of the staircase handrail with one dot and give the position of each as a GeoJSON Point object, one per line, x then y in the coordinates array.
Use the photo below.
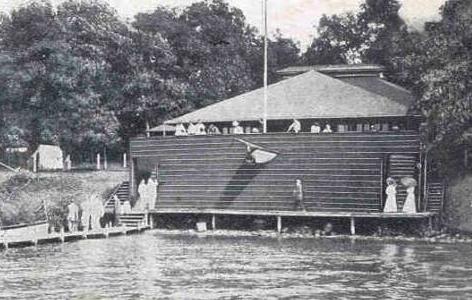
{"type": "Point", "coordinates": [113, 193]}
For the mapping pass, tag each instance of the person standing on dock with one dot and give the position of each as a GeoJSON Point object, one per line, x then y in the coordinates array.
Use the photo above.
{"type": "Point", "coordinates": [72, 216]}
{"type": "Point", "coordinates": [96, 211]}
{"type": "Point", "coordinates": [298, 194]}
{"type": "Point", "coordinates": [409, 206]}
{"type": "Point", "coordinates": [85, 219]}
{"type": "Point", "coordinates": [391, 191]}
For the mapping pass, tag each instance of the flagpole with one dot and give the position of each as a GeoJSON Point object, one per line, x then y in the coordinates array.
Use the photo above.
{"type": "Point", "coordinates": [264, 118]}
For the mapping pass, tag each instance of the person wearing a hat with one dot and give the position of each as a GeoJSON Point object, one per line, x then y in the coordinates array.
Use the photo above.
{"type": "Point", "coordinates": [237, 129]}
{"type": "Point", "coordinates": [409, 206]}
{"type": "Point", "coordinates": [391, 191]}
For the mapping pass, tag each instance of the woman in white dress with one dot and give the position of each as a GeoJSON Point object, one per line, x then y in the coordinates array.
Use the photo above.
{"type": "Point", "coordinates": [391, 191]}
{"type": "Point", "coordinates": [409, 206]}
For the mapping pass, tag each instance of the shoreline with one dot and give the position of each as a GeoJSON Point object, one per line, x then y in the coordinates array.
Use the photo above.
{"type": "Point", "coordinates": [439, 239]}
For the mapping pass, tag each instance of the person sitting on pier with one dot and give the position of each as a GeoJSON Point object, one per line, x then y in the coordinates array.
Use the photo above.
{"type": "Point", "coordinates": [391, 191]}
{"type": "Point", "coordinates": [295, 127]}
{"type": "Point", "coordinates": [328, 230]}
{"type": "Point", "coordinates": [327, 129]}
{"type": "Point", "coordinates": [315, 128]}
{"type": "Point", "coordinates": [298, 194]}
{"type": "Point", "coordinates": [200, 128]}
{"type": "Point", "coordinates": [73, 217]}
{"type": "Point", "coordinates": [237, 129]}
{"type": "Point", "coordinates": [212, 129]}
{"type": "Point", "coordinates": [180, 130]}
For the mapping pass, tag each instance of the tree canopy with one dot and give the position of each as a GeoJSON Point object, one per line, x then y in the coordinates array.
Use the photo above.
{"type": "Point", "coordinates": [80, 76]}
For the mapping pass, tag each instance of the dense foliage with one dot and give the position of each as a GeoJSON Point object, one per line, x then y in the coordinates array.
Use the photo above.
{"type": "Point", "coordinates": [79, 76]}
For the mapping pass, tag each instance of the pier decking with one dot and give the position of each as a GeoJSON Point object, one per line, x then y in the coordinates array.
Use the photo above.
{"type": "Point", "coordinates": [31, 239]}
{"type": "Point", "coordinates": [352, 216]}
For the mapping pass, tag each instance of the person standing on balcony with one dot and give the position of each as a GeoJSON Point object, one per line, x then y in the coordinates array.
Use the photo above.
{"type": "Point", "coordinates": [315, 128]}
{"type": "Point", "coordinates": [180, 130]}
{"type": "Point", "coordinates": [191, 129]}
{"type": "Point", "coordinates": [327, 129]}
{"type": "Point", "coordinates": [212, 129]}
{"type": "Point", "coordinates": [237, 129]}
{"type": "Point", "coordinates": [200, 128]}
{"type": "Point", "coordinates": [295, 127]}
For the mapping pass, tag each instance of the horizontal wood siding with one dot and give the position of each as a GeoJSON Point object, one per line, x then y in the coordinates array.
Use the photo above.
{"type": "Point", "coordinates": [340, 172]}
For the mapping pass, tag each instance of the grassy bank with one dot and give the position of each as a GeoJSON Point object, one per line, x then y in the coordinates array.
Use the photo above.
{"type": "Point", "coordinates": [24, 195]}
{"type": "Point", "coordinates": [458, 206]}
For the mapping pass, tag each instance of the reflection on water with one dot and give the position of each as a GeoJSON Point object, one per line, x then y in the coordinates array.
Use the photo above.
{"type": "Point", "coordinates": [153, 265]}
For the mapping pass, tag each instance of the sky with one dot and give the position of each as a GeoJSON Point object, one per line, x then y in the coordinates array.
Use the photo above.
{"type": "Point", "coordinates": [294, 18]}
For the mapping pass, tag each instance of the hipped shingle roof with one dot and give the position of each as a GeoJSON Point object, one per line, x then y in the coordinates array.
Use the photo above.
{"type": "Point", "coordinates": [311, 95]}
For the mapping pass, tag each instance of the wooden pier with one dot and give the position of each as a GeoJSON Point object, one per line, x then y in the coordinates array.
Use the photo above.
{"type": "Point", "coordinates": [279, 215]}
{"type": "Point", "coordinates": [33, 238]}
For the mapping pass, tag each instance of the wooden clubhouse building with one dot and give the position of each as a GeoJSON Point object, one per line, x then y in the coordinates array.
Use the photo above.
{"type": "Point", "coordinates": [375, 135]}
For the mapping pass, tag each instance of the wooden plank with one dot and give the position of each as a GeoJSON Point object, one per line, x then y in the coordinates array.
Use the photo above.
{"type": "Point", "coordinates": [323, 214]}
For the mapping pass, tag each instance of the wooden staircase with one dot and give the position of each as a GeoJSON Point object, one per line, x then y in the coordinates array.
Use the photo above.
{"type": "Point", "coordinates": [400, 166]}
{"type": "Point", "coordinates": [134, 219]}
{"type": "Point", "coordinates": [435, 194]}
{"type": "Point", "coordinates": [122, 192]}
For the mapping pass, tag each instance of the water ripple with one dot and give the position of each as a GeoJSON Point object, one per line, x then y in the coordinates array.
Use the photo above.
{"type": "Point", "coordinates": [182, 266]}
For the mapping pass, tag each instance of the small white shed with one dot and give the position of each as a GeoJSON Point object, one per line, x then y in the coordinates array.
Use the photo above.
{"type": "Point", "coordinates": [47, 157]}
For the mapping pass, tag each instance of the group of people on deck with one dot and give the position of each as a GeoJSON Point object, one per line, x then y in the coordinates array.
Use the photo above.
{"type": "Point", "coordinates": [200, 129]}
{"type": "Point", "coordinates": [296, 127]}
{"type": "Point", "coordinates": [87, 216]}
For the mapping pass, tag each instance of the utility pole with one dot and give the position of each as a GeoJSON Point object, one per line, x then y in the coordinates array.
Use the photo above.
{"type": "Point", "coordinates": [264, 118]}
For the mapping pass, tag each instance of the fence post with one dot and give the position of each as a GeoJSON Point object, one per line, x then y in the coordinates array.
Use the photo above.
{"type": "Point", "coordinates": [105, 160]}
{"type": "Point", "coordinates": [125, 162]}
{"type": "Point", "coordinates": [98, 161]}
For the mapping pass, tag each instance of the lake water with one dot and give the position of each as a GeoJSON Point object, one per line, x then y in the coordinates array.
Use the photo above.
{"type": "Point", "coordinates": [178, 266]}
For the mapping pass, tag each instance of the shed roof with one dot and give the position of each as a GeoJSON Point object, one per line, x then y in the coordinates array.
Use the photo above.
{"type": "Point", "coordinates": [163, 128]}
{"type": "Point", "coordinates": [306, 96]}
{"type": "Point", "coordinates": [343, 70]}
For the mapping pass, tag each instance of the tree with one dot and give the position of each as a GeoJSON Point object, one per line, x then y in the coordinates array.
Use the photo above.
{"type": "Point", "coordinates": [339, 41]}
{"type": "Point", "coordinates": [55, 80]}
{"type": "Point", "coordinates": [442, 76]}
{"type": "Point", "coordinates": [282, 52]}
{"type": "Point", "coordinates": [212, 43]}
{"type": "Point", "coordinates": [375, 35]}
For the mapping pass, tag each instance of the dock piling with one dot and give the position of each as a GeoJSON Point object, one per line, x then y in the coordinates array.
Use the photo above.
{"type": "Point", "coordinates": [213, 222]}
{"type": "Point", "coordinates": [62, 235]}
{"type": "Point", "coordinates": [279, 224]}
{"type": "Point", "coordinates": [353, 226]}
